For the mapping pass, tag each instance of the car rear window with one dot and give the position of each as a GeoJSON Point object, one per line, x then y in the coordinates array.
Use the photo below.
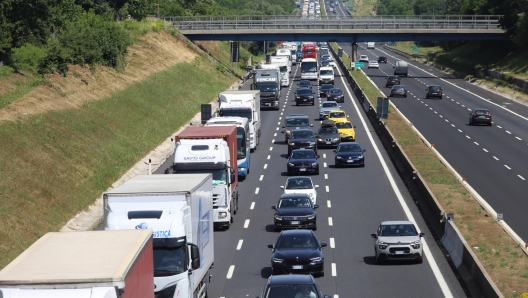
{"type": "Point", "coordinates": [481, 112]}
{"type": "Point", "coordinates": [434, 88]}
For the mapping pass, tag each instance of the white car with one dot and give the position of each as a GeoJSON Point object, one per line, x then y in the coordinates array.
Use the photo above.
{"type": "Point", "coordinates": [301, 184]}
{"type": "Point", "coordinates": [373, 64]}
{"type": "Point", "coordinates": [398, 240]}
{"type": "Point", "coordinates": [363, 58]}
{"type": "Point", "coordinates": [331, 62]}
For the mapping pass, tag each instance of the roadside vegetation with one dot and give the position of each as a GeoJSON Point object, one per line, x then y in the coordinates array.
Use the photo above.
{"type": "Point", "coordinates": [502, 257]}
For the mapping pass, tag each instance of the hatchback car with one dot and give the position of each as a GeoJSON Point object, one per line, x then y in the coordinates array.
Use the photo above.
{"type": "Point", "coordinates": [305, 84]}
{"type": "Point", "coordinates": [392, 80]}
{"type": "Point", "coordinates": [323, 90]}
{"type": "Point", "coordinates": [434, 91]}
{"type": "Point", "coordinates": [349, 154]}
{"type": "Point", "coordinates": [304, 96]}
{"type": "Point", "coordinates": [337, 116]}
{"type": "Point", "coordinates": [480, 116]}
{"type": "Point", "coordinates": [301, 184]}
{"type": "Point", "coordinates": [328, 135]}
{"type": "Point", "coordinates": [398, 90]}
{"type": "Point", "coordinates": [346, 131]}
{"type": "Point", "coordinates": [295, 211]}
{"type": "Point", "coordinates": [398, 240]}
{"type": "Point", "coordinates": [292, 285]}
{"type": "Point", "coordinates": [382, 59]}
{"type": "Point", "coordinates": [373, 64]}
{"type": "Point", "coordinates": [297, 251]}
{"type": "Point", "coordinates": [335, 94]}
{"type": "Point", "coordinates": [363, 58]}
{"type": "Point", "coordinates": [331, 62]}
{"type": "Point", "coordinates": [302, 161]}
{"type": "Point", "coordinates": [302, 138]}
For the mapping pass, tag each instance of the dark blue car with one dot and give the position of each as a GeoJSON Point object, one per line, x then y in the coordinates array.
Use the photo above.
{"type": "Point", "coordinates": [349, 154]}
{"type": "Point", "coordinates": [303, 161]}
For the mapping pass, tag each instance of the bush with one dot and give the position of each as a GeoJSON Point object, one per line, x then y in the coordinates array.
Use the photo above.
{"type": "Point", "coordinates": [5, 71]}
{"type": "Point", "coordinates": [28, 58]}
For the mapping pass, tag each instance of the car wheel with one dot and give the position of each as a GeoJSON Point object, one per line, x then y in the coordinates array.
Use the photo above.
{"type": "Point", "coordinates": [386, 86]}
{"type": "Point", "coordinates": [312, 103]}
{"type": "Point", "coordinates": [420, 260]}
{"type": "Point", "coordinates": [427, 97]}
{"type": "Point", "coordinates": [489, 124]}
{"type": "Point", "coordinates": [337, 165]}
{"type": "Point", "coordinates": [321, 274]}
{"type": "Point", "coordinates": [470, 122]}
{"type": "Point", "coordinates": [289, 173]}
{"type": "Point", "coordinates": [296, 103]}
{"type": "Point", "coordinates": [405, 95]}
{"type": "Point", "coordinates": [390, 95]}
{"type": "Point", "coordinates": [378, 259]}
{"type": "Point", "coordinates": [363, 165]}
{"type": "Point", "coordinates": [441, 97]}
{"type": "Point", "coordinates": [317, 172]}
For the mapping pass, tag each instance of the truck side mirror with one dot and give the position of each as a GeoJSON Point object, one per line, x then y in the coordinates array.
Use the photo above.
{"type": "Point", "coordinates": [282, 186]}
{"type": "Point", "coordinates": [195, 256]}
{"type": "Point", "coordinates": [232, 175]}
{"type": "Point", "coordinates": [251, 86]}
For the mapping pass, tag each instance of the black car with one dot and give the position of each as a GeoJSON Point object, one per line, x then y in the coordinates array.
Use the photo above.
{"type": "Point", "coordinates": [297, 251]}
{"type": "Point", "coordinates": [349, 153]}
{"type": "Point", "coordinates": [382, 59]}
{"type": "Point", "coordinates": [305, 84]}
{"type": "Point", "coordinates": [302, 161]}
{"type": "Point", "coordinates": [392, 80]}
{"type": "Point", "coordinates": [304, 96]}
{"type": "Point", "coordinates": [434, 91]}
{"type": "Point", "coordinates": [291, 285]}
{"type": "Point", "coordinates": [295, 210]}
{"type": "Point", "coordinates": [302, 139]}
{"type": "Point", "coordinates": [295, 121]}
{"type": "Point", "coordinates": [323, 90]}
{"type": "Point", "coordinates": [480, 116]}
{"type": "Point", "coordinates": [336, 95]}
{"type": "Point", "coordinates": [327, 135]}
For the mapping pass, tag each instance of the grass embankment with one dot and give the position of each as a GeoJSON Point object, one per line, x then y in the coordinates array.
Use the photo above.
{"type": "Point", "coordinates": [54, 165]}
{"type": "Point", "coordinates": [503, 259]}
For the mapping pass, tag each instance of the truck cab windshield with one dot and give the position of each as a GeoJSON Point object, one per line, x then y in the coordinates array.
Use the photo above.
{"type": "Point", "coordinates": [169, 260]}
{"type": "Point", "coordinates": [266, 86]}
{"type": "Point", "coordinates": [219, 176]}
{"type": "Point", "coordinates": [237, 113]}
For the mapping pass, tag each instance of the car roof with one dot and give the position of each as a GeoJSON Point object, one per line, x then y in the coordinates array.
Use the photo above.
{"type": "Point", "coordinates": [329, 101]}
{"type": "Point", "coordinates": [291, 279]}
{"type": "Point", "coordinates": [297, 116]}
{"type": "Point", "coordinates": [327, 85]}
{"type": "Point", "coordinates": [348, 143]}
{"type": "Point", "coordinates": [302, 129]}
{"type": "Point", "coordinates": [326, 68]}
{"type": "Point", "coordinates": [299, 232]}
{"type": "Point", "coordinates": [332, 111]}
{"type": "Point", "coordinates": [327, 123]}
{"type": "Point", "coordinates": [343, 121]}
{"type": "Point", "coordinates": [294, 195]}
{"type": "Point", "coordinates": [297, 177]}
{"type": "Point", "coordinates": [299, 150]}
{"type": "Point", "coordinates": [337, 89]}
{"type": "Point", "coordinates": [397, 222]}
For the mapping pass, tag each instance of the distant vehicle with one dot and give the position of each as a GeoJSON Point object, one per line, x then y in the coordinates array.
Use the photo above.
{"type": "Point", "coordinates": [363, 58]}
{"type": "Point", "coordinates": [295, 210]}
{"type": "Point", "coordinates": [370, 45]}
{"type": "Point", "coordinates": [303, 185]}
{"type": "Point", "coordinates": [434, 91]}
{"type": "Point", "coordinates": [398, 90]}
{"type": "Point", "coordinates": [335, 94]}
{"type": "Point", "coordinates": [373, 64]}
{"type": "Point", "coordinates": [326, 107]}
{"type": "Point", "coordinates": [392, 80]}
{"type": "Point", "coordinates": [309, 68]}
{"type": "Point", "coordinates": [302, 161]}
{"type": "Point", "coordinates": [346, 131]}
{"type": "Point", "coordinates": [398, 240]}
{"type": "Point", "coordinates": [304, 96]}
{"type": "Point", "coordinates": [325, 56]}
{"type": "Point", "coordinates": [382, 59]}
{"type": "Point", "coordinates": [401, 68]}
{"type": "Point", "coordinates": [332, 62]}
{"type": "Point", "coordinates": [302, 139]}
{"type": "Point", "coordinates": [325, 62]}
{"type": "Point", "coordinates": [290, 285]}
{"type": "Point", "coordinates": [480, 116]}
{"type": "Point", "coordinates": [323, 90]}
{"type": "Point", "coordinates": [349, 154]}
{"type": "Point", "coordinates": [297, 251]}
{"type": "Point", "coordinates": [305, 84]}
{"type": "Point", "coordinates": [328, 135]}
{"type": "Point", "coordinates": [326, 75]}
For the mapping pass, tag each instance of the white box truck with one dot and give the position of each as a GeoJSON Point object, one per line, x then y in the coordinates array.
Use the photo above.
{"type": "Point", "coordinates": [179, 210]}
{"type": "Point", "coordinates": [243, 103]}
{"type": "Point", "coordinates": [401, 68]}
{"type": "Point", "coordinates": [284, 59]}
{"type": "Point", "coordinates": [370, 45]}
{"type": "Point", "coordinates": [91, 264]}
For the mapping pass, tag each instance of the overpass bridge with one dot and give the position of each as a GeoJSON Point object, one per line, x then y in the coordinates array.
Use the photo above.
{"type": "Point", "coordinates": [340, 28]}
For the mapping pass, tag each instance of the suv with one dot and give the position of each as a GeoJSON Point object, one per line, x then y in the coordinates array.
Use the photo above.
{"type": "Point", "coordinates": [392, 80]}
{"type": "Point", "coordinates": [382, 59]}
{"type": "Point", "coordinates": [302, 139]}
{"type": "Point", "coordinates": [398, 240]}
{"type": "Point", "coordinates": [295, 121]}
{"type": "Point", "coordinates": [480, 116]}
{"type": "Point", "coordinates": [279, 286]}
{"type": "Point", "coordinates": [328, 135]}
{"type": "Point", "coordinates": [433, 91]}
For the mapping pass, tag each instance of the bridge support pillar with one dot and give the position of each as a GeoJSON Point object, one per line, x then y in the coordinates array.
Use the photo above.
{"type": "Point", "coordinates": [353, 55]}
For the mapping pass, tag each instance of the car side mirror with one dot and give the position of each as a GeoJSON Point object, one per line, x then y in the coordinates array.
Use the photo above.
{"type": "Point", "coordinates": [335, 151]}
{"type": "Point", "coordinates": [324, 245]}
{"type": "Point", "coordinates": [426, 89]}
{"type": "Point", "coordinates": [348, 116]}
{"type": "Point", "coordinates": [364, 150]}
{"type": "Point", "coordinates": [270, 246]}
{"type": "Point", "coordinates": [311, 125]}
{"type": "Point", "coordinates": [316, 206]}
{"type": "Point", "coordinates": [393, 67]}
{"type": "Point", "coordinates": [317, 156]}
{"type": "Point", "coordinates": [282, 186]}
{"type": "Point", "coordinates": [373, 235]}
{"type": "Point", "coordinates": [316, 135]}
{"type": "Point", "coordinates": [274, 207]}
{"type": "Point", "coordinates": [339, 107]}
{"type": "Point", "coordinates": [354, 126]}
{"type": "Point", "coordinates": [422, 234]}
{"type": "Point", "coordinates": [284, 126]}
{"type": "Point", "coordinates": [316, 186]}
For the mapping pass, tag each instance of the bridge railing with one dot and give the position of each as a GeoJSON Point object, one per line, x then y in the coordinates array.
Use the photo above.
{"type": "Point", "coordinates": [335, 22]}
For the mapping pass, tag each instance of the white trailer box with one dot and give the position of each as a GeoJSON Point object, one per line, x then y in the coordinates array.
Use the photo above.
{"type": "Point", "coordinates": [179, 209]}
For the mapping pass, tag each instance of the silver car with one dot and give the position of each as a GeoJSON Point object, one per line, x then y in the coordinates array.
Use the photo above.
{"type": "Point", "coordinates": [398, 240]}
{"type": "Point", "coordinates": [325, 107]}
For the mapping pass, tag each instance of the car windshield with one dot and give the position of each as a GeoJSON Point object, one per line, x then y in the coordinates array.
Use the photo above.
{"type": "Point", "coordinates": [295, 203]}
{"type": "Point", "coordinates": [326, 87]}
{"type": "Point", "coordinates": [326, 72]}
{"type": "Point", "coordinates": [329, 104]}
{"type": "Point", "coordinates": [393, 78]}
{"type": "Point", "coordinates": [363, 56]}
{"type": "Point", "coordinates": [397, 230]}
{"type": "Point", "coordinates": [327, 130]}
{"type": "Point", "coordinates": [296, 122]}
{"type": "Point", "coordinates": [398, 87]}
{"type": "Point", "coordinates": [434, 88]}
{"type": "Point", "coordinates": [337, 115]}
{"type": "Point", "coordinates": [303, 154]}
{"type": "Point", "coordinates": [343, 125]}
{"type": "Point", "coordinates": [304, 91]}
{"type": "Point", "coordinates": [349, 148]}
{"type": "Point", "coordinates": [296, 242]}
{"type": "Point", "coordinates": [305, 84]}
{"type": "Point", "coordinates": [335, 91]}
{"type": "Point", "coordinates": [169, 256]}
{"type": "Point", "coordinates": [301, 134]}
{"type": "Point", "coordinates": [287, 291]}
{"type": "Point", "coordinates": [299, 183]}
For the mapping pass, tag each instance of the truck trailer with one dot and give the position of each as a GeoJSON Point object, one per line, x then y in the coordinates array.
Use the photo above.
{"type": "Point", "coordinates": [92, 264]}
{"type": "Point", "coordinates": [177, 210]}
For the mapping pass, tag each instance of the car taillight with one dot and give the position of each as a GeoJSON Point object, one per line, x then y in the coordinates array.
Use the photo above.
{"type": "Point", "coordinates": [440, 91]}
{"type": "Point", "coordinates": [489, 114]}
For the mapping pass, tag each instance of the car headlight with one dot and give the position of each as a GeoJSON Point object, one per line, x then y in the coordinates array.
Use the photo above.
{"type": "Point", "coordinates": [320, 140]}
{"type": "Point", "coordinates": [339, 157]}
{"type": "Point", "coordinates": [292, 144]}
{"type": "Point", "coordinates": [336, 139]}
{"type": "Point", "coordinates": [360, 157]}
{"type": "Point", "coordinates": [310, 195]}
{"type": "Point", "coordinates": [290, 164]}
{"type": "Point", "coordinates": [382, 245]}
{"type": "Point", "coordinates": [317, 259]}
{"type": "Point", "coordinates": [312, 143]}
{"type": "Point", "coordinates": [278, 217]}
{"type": "Point", "coordinates": [222, 215]}
{"type": "Point", "coordinates": [314, 164]}
{"type": "Point", "coordinates": [275, 260]}
{"type": "Point", "coordinates": [415, 244]}
{"type": "Point", "coordinates": [309, 217]}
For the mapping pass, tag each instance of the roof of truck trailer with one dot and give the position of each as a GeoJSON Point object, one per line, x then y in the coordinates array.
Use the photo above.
{"type": "Point", "coordinates": [104, 257]}
{"type": "Point", "coordinates": [205, 131]}
{"type": "Point", "coordinates": [160, 183]}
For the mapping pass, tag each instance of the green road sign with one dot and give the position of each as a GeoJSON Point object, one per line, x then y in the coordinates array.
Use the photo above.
{"type": "Point", "coordinates": [415, 49]}
{"type": "Point", "coordinates": [357, 64]}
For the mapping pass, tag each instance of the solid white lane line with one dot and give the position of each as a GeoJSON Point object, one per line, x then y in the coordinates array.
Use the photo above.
{"type": "Point", "coordinates": [334, 271]}
{"type": "Point", "coordinates": [265, 166]}
{"type": "Point", "coordinates": [246, 224]}
{"type": "Point", "coordinates": [485, 150]}
{"type": "Point", "coordinates": [230, 271]}
{"type": "Point", "coordinates": [239, 246]}
{"type": "Point", "coordinates": [521, 177]}
{"type": "Point", "coordinates": [252, 206]}
{"type": "Point", "coordinates": [327, 188]}
{"type": "Point", "coordinates": [328, 204]}
{"type": "Point", "coordinates": [330, 222]}
{"type": "Point", "coordinates": [506, 166]}
{"type": "Point", "coordinates": [326, 176]}
{"type": "Point", "coordinates": [261, 177]}
{"type": "Point", "coordinates": [325, 164]}
{"type": "Point", "coordinates": [269, 156]}
{"type": "Point", "coordinates": [495, 158]}
{"type": "Point", "coordinates": [332, 242]}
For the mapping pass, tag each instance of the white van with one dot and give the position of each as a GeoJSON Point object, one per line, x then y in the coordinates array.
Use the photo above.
{"type": "Point", "coordinates": [370, 45]}
{"type": "Point", "coordinates": [326, 75]}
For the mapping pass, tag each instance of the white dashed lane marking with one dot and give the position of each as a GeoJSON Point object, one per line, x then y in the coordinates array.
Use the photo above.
{"type": "Point", "coordinates": [265, 166]}
{"type": "Point", "coordinates": [330, 222]}
{"type": "Point", "coordinates": [327, 188]}
{"type": "Point", "coordinates": [506, 166]}
{"type": "Point", "coordinates": [326, 176]}
{"type": "Point", "coordinates": [521, 177]}
{"type": "Point", "coordinates": [252, 206]}
{"type": "Point", "coordinates": [328, 204]}
{"type": "Point", "coordinates": [332, 243]}
{"type": "Point", "coordinates": [246, 224]}
{"type": "Point", "coordinates": [334, 271]}
{"type": "Point", "coordinates": [230, 272]}
{"type": "Point", "coordinates": [239, 246]}
{"type": "Point", "coordinates": [261, 177]}
{"type": "Point", "coordinates": [495, 158]}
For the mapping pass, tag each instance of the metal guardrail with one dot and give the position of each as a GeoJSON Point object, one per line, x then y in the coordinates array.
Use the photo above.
{"type": "Point", "coordinates": [481, 22]}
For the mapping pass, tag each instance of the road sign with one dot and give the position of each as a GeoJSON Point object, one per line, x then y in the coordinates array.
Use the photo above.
{"type": "Point", "coordinates": [415, 49]}
{"type": "Point", "coordinates": [357, 64]}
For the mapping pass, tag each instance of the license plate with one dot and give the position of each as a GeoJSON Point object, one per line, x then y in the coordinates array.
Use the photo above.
{"type": "Point", "coordinates": [295, 222]}
{"type": "Point", "coordinates": [482, 116]}
{"type": "Point", "coordinates": [328, 143]}
{"type": "Point", "coordinates": [350, 160]}
{"type": "Point", "coordinates": [305, 99]}
{"type": "Point", "coordinates": [297, 267]}
{"type": "Point", "coordinates": [399, 252]}
{"type": "Point", "coordinates": [302, 169]}
{"type": "Point", "coordinates": [268, 104]}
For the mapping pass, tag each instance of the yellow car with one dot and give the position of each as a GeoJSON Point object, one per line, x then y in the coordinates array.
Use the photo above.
{"type": "Point", "coordinates": [337, 116]}
{"type": "Point", "coordinates": [346, 130]}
